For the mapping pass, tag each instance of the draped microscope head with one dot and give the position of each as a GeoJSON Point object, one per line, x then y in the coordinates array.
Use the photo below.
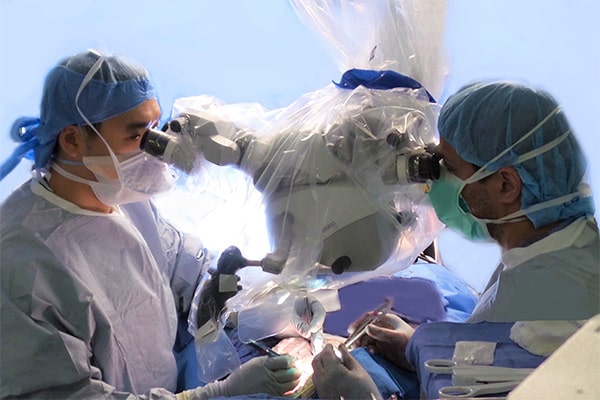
{"type": "Point", "coordinates": [326, 193]}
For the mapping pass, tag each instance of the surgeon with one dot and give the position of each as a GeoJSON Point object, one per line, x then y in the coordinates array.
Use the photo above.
{"type": "Point", "coordinates": [92, 279]}
{"type": "Point", "coordinates": [512, 173]}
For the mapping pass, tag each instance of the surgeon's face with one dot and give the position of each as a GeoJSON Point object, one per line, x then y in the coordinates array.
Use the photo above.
{"type": "Point", "coordinates": [455, 165]}
{"type": "Point", "coordinates": [476, 194]}
{"type": "Point", "coordinates": [123, 133]}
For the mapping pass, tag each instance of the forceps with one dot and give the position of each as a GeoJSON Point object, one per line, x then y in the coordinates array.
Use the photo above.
{"type": "Point", "coordinates": [474, 380]}
{"type": "Point", "coordinates": [375, 316]}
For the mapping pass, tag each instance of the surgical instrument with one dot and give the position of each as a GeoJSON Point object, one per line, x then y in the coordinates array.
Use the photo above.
{"type": "Point", "coordinates": [375, 316]}
{"type": "Point", "coordinates": [270, 352]}
{"type": "Point", "coordinates": [472, 380]}
{"type": "Point", "coordinates": [476, 390]}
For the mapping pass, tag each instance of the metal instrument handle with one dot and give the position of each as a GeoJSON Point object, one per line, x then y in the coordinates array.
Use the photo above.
{"type": "Point", "coordinates": [476, 390]}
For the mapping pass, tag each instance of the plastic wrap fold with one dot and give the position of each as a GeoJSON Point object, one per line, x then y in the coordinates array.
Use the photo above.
{"type": "Point", "coordinates": [324, 191]}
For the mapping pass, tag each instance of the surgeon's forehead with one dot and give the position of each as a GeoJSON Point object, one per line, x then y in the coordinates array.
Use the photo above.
{"type": "Point", "coordinates": [445, 149]}
{"type": "Point", "coordinates": [144, 114]}
{"type": "Point", "coordinates": [448, 153]}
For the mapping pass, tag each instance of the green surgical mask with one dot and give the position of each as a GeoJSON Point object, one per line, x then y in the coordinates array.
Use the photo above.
{"type": "Point", "coordinates": [452, 209]}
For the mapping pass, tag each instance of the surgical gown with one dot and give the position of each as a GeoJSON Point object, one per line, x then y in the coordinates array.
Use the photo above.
{"type": "Point", "coordinates": [555, 278]}
{"type": "Point", "coordinates": [90, 301]}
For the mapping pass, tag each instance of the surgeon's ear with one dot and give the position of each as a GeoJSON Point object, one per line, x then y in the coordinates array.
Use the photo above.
{"type": "Point", "coordinates": [71, 141]}
{"type": "Point", "coordinates": [511, 185]}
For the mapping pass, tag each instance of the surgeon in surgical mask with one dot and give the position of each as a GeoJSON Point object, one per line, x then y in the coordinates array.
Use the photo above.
{"type": "Point", "coordinates": [93, 281]}
{"type": "Point", "coordinates": [513, 173]}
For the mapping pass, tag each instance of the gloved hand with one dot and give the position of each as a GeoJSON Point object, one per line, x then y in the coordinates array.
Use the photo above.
{"type": "Point", "coordinates": [345, 378]}
{"type": "Point", "coordinates": [271, 375]}
{"type": "Point", "coordinates": [308, 317]}
{"type": "Point", "coordinates": [387, 337]}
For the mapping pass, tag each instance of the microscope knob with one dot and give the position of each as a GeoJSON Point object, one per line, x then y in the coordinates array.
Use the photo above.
{"type": "Point", "coordinates": [341, 264]}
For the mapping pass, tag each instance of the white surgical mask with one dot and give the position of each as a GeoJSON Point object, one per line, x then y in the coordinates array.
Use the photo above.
{"type": "Point", "coordinates": [138, 178]}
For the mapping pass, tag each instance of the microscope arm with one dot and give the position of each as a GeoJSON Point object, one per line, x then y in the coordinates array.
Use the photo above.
{"type": "Point", "coordinates": [210, 140]}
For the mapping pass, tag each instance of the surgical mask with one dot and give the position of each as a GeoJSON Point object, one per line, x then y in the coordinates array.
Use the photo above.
{"type": "Point", "coordinates": [138, 178]}
{"type": "Point", "coordinates": [452, 209]}
{"type": "Point", "coordinates": [121, 179]}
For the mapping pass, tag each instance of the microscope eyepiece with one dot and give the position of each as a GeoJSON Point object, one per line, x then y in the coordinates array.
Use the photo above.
{"type": "Point", "coordinates": [422, 167]}
{"type": "Point", "coordinates": [169, 148]}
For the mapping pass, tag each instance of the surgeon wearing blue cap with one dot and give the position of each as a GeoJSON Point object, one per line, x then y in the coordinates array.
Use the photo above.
{"type": "Point", "coordinates": [515, 175]}
{"type": "Point", "coordinates": [512, 173]}
{"type": "Point", "coordinates": [92, 279]}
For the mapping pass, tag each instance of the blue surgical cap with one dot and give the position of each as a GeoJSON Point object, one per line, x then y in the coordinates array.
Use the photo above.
{"type": "Point", "coordinates": [117, 87]}
{"type": "Point", "coordinates": [483, 119]}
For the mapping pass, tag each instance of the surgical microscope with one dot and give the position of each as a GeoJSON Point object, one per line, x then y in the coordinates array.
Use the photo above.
{"type": "Point", "coordinates": [309, 179]}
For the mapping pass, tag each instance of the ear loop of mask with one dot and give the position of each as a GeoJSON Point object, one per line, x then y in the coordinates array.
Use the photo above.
{"type": "Point", "coordinates": [519, 215]}
{"type": "Point", "coordinates": [88, 77]}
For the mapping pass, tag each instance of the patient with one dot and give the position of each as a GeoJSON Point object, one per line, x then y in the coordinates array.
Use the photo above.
{"type": "Point", "coordinates": [514, 174]}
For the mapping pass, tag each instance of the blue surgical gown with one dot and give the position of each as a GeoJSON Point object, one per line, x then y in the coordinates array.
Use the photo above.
{"type": "Point", "coordinates": [90, 301]}
{"type": "Point", "coordinates": [555, 278]}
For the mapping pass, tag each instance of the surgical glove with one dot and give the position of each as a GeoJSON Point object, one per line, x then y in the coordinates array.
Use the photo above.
{"type": "Point", "coordinates": [388, 338]}
{"type": "Point", "coordinates": [271, 375]}
{"type": "Point", "coordinates": [307, 318]}
{"type": "Point", "coordinates": [344, 378]}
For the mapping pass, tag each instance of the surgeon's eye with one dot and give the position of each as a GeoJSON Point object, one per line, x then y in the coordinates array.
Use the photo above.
{"type": "Point", "coordinates": [135, 137]}
{"type": "Point", "coordinates": [444, 164]}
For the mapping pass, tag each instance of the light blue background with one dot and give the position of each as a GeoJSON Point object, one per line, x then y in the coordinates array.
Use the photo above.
{"type": "Point", "coordinates": [259, 51]}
